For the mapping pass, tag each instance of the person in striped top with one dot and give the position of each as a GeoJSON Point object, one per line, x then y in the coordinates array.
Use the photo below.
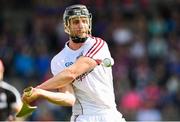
{"type": "Point", "coordinates": [10, 99]}
{"type": "Point", "coordinates": [82, 73]}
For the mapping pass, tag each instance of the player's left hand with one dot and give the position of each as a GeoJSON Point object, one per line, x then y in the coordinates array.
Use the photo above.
{"type": "Point", "coordinates": [31, 97]}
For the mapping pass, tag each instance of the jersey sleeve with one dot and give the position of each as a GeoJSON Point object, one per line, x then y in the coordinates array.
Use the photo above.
{"type": "Point", "coordinates": [98, 51]}
{"type": "Point", "coordinates": [57, 64]}
{"type": "Point", "coordinates": [54, 67]}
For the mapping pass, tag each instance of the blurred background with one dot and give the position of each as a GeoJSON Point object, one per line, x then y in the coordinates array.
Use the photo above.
{"type": "Point", "coordinates": [143, 37]}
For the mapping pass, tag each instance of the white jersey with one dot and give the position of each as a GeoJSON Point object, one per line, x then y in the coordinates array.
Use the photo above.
{"type": "Point", "coordinates": [94, 90]}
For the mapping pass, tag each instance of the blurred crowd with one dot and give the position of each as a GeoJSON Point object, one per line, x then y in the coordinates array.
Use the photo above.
{"type": "Point", "coordinates": [143, 37]}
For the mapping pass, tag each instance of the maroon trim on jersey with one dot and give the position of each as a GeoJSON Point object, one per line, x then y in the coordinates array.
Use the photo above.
{"type": "Point", "coordinates": [98, 61]}
{"type": "Point", "coordinates": [95, 48]}
{"type": "Point", "coordinates": [98, 49]}
{"type": "Point", "coordinates": [92, 47]}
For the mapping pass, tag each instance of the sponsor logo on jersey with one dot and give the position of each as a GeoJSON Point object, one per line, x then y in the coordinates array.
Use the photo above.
{"type": "Point", "coordinates": [79, 78]}
{"type": "Point", "coordinates": [68, 64]}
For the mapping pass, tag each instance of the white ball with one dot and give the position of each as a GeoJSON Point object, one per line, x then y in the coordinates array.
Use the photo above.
{"type": "Point", "coordinates": [107, 62]}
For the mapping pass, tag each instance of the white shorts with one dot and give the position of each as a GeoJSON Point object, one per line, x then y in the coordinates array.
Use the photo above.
{"type": "Point", "coordinates": [109, 117]}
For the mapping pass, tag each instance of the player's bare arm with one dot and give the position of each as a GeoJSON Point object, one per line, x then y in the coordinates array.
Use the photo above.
{"type": "Point", "coordinates": [69, 74]}
{"type": "Point", "coordinates": [64, 96]}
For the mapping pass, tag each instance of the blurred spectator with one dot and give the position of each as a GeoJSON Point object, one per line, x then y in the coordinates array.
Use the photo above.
{"type": "Point", "coordinates": [157, 26]}
{"type": "Point", "coordinates": [122, 36]}
{"type": "Point", "coordinates": [138, 47]}
{"type": "Point", "coordinates": [24, 63]}
{"type": "Point", "coordinates": [157, 48]}
{"type": "Point", "coordinates": [130, 103]}
{"type": "Point", "coordinates": [149, 111]}
{"type": "Point", "coordinates": [42, 60]}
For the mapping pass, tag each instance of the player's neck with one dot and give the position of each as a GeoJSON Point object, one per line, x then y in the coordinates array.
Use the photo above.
{"type": "Point", "coordinates": [74, 46]}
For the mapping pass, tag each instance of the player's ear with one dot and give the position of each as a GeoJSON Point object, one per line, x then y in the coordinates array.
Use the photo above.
{"type": "Point", "coordinates": [66, 28]}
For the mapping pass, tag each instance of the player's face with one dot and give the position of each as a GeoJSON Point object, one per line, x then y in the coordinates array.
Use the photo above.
{"type": "Point", "coordinates": [79, 26]}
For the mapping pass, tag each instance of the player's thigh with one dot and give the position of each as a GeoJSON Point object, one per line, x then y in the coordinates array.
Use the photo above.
{"type": "Point", "coordinates": [97, 118]}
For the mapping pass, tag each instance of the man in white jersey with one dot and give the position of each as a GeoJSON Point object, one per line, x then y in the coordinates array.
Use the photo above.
{"type": "Point", "coordinates": [82, 73]}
